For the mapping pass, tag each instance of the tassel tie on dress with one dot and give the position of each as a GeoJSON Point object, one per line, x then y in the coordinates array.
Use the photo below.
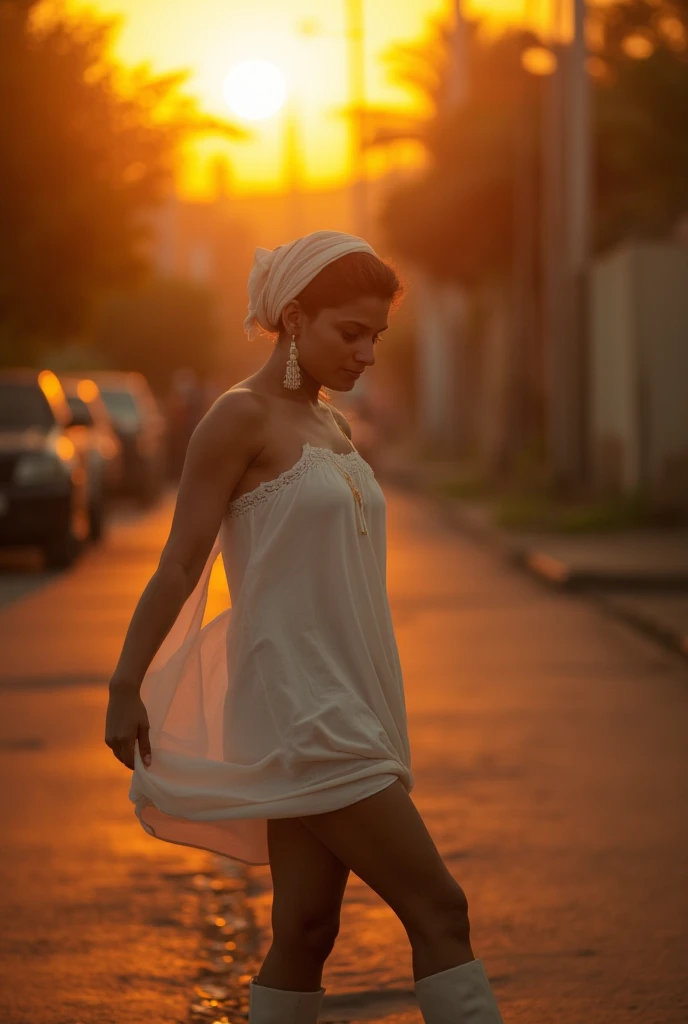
{"type": "Point", "coordinates": [358, 498]}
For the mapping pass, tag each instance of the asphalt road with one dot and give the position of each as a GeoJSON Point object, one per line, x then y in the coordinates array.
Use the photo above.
{"type": "Point", "coordinates": [100, 922]}
{"type": "Point", "coordinates": [551, 763]}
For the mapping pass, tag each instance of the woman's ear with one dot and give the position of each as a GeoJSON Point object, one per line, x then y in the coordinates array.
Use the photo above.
{"type": "Point", "coordinates": [292, 317]}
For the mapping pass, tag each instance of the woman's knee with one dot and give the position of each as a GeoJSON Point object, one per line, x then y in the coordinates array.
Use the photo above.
{"type": "Point", "coordinates": [312, 934]}
{"type": "Point", "coordinates": [439, 915]}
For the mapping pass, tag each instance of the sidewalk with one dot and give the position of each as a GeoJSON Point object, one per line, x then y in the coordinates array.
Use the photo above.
{"type": "Point", "coordinates": [639, 575]}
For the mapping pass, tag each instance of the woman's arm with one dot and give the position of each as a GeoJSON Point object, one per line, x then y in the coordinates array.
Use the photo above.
{"type": "Point", "coordinates": [220, 449]}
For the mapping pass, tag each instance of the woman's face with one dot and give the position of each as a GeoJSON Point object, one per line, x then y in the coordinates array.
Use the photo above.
{"type": "Point", "coordinates": [339, 343]}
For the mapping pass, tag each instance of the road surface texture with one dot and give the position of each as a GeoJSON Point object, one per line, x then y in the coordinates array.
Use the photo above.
{"type": "Point", "coordinates": [551, 764]}
{"type": "Point", "coordinates": [100, 922]}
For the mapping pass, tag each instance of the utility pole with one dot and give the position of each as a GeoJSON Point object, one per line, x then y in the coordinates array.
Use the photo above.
{"type": "Point", "coordinates": [567, 146]}
{"type": "Point", "coordinates": [292, 169]}
{"type": "Point", "coordinates": [356, 89]}
{"type": "Point", "coordinates": [520, 414]}
{"type": "Point", "coordinates": [553, 259]}
{"type": "Point", "coordinates": [357, 101]}
{"type": "Point", "coordinates": [578, 233]}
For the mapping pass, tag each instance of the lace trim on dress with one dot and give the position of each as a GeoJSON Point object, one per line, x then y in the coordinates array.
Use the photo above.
{"type": "Point", "coordinates": [309, 455]}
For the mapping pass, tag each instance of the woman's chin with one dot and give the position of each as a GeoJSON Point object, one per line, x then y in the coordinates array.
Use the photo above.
{"type": "Point", "coordinates": [340, 380]}
{"type": "Point", "coordinates": [343, 381]}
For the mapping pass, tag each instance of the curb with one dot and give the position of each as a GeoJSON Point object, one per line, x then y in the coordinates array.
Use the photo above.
{"type": "Point", "coordinates": [668, 638]}
{"type": "Point", "coordinates": [557, 575]}
{"type": "Point", "coordinates": [558, 572]}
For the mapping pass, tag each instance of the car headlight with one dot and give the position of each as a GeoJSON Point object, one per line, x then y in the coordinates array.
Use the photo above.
{"type": "Point", "coordinates": [41, 468]}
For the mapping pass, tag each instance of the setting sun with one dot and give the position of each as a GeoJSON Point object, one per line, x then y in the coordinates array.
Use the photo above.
{"type": "Point", "coordinates": [255, 89]}
{"type": "Point", "coordinates": [248, 62]}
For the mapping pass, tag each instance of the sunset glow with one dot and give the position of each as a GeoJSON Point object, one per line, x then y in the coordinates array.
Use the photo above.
{"type": "Point", "coordinates": [255, 89]}
{"type": "Point", "coordinates": [224, 44]}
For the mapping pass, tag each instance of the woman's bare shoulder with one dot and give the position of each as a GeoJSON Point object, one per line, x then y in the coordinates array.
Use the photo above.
{"type": "Point", "coordinates": [235, 421]}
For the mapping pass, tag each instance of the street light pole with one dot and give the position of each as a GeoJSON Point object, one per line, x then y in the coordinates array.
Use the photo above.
{"type": "Point", "coordinates": [580, 144]}
{"type": "Point", "coordinates": [357, 99]}
{"type": "Point", "coordinates": [577, 183]}
{"type": "Point", "coordinates": [553, 252]}
{"type": "Point", "coordinates": [356, 88]}
{"type": "Point", "coordinates": [567, 147]}
{"type": "Point", "coordinates": [292, 168]}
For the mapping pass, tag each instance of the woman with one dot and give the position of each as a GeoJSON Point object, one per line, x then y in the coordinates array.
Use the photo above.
{"type": "Point", "coordinates": [277, 732]}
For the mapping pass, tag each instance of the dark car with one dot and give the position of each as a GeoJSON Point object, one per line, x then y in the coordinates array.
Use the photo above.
{"type": "Point", "coordinates": [43, 470]}
{"type": "Point", "coordinates": [140, 427]}
{"type": "Point", "coordinates": [96, 434]}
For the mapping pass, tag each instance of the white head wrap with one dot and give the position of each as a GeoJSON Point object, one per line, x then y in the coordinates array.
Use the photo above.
{"type": "Point", "coordinates": [278, 275]}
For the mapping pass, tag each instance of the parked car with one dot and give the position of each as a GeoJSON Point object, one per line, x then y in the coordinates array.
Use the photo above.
{"type": "Point", "coordinates": [44, 472]}
{"type": "Point", "coordinates": [97, 435]}
{"type": "Point", "coordinates": [141, 428]}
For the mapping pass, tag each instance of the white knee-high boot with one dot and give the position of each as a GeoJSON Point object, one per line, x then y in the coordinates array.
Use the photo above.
{"type": "Point", "coordinates": [459, 995]}
{"type": "Point", "coordinates": [281, 1005]}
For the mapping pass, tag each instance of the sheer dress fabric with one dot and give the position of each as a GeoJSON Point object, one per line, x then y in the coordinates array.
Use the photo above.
{"type": "Point", "coordinates": [291, 701]}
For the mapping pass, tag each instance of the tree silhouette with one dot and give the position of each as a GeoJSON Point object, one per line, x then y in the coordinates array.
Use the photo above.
{"type": "Point", "coordinates": [456, 218]}
{"type": "Point", "coordinates": [159, 328]}
{"type": "Point", "coordinates": [458, 215]}
{"type": "Point", "coordinates": [641, 124]}
{"type": "Point", "coordinates": [88, 148]}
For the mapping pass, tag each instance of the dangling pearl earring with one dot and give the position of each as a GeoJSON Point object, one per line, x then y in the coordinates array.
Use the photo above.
{"type": "Point", "coordinates": [292, 377]}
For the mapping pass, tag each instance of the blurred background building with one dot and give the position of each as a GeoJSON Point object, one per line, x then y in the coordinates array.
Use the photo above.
{"type": "Point", "coordinates": [529, 183]}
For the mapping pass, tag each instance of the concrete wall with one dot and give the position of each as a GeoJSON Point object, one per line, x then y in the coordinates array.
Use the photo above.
{"type": "Point", "coordinates": [613, 374]}
{"type": "Point", "coordinates": [464, 371]}
{"type": "Point", "coordinates": [638, 371]}
{"type": "Point", "coordinates": [440, 310]}
{"type": "Point", "coordinates": [492, 379]}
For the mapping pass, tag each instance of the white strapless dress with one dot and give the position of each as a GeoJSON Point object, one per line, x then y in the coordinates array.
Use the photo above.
{"type": "Point", "coordinates": [291, 701]}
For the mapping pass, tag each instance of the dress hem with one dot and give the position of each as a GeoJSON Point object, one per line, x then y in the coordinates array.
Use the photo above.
{"type": "Point", "coordinates": [150, 829]}
{"type": "Point", "coordinates": [195, 846]}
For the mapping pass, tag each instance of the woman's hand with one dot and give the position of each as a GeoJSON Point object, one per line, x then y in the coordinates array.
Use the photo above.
{"type": "Point", "coordinates": [127, 721]}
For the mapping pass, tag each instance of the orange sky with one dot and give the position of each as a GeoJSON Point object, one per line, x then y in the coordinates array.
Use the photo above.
{"type": "Point", "coordinates": [210, 36]}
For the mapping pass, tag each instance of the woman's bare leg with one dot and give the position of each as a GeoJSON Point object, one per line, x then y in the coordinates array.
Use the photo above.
{"type": "Point", "coordinates": [383, 840]}
{"type": "Point", "coordinates": [308, 888]}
